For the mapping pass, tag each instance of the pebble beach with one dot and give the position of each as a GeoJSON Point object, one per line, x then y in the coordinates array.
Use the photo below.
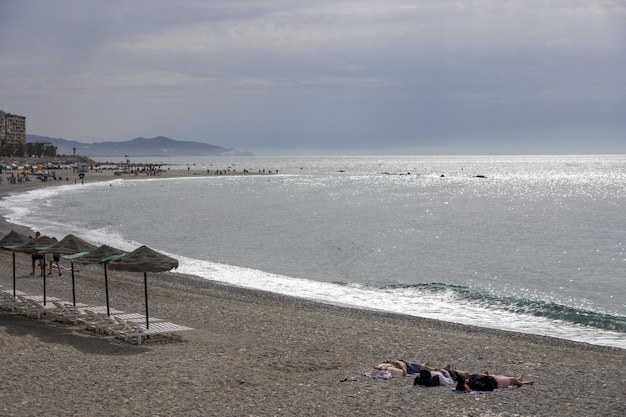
{"type": "Point", "coordinates": [254, 353]}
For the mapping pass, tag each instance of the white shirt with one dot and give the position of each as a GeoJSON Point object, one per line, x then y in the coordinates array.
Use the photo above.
{"type": "Point", "coordinates": [443, 379]}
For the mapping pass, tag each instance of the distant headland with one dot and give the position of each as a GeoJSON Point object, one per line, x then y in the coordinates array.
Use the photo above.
{"type": "Point", "coordinates": [158, 146]}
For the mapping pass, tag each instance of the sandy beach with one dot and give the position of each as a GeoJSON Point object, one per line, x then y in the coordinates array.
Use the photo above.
{"type": "Point", "coordinates": [253, 353]}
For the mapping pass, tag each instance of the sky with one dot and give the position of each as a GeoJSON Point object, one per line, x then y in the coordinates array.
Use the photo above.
{"type": "Point", "coordinates": [322, 77]}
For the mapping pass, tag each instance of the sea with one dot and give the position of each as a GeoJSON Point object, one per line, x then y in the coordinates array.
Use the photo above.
{"type": "Point", "coordinates": [532, 244]}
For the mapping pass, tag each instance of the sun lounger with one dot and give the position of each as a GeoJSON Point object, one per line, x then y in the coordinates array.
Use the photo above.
{"type": "Point", "coordinates": [29, 307]}
{"type": "Point", "coordinates": [7, 302]}
{"type": "Point", "coordinates": [67, 312]}
{"type": "Point", "coordinates": [119, 323]}
{"type": "Point", "coordinates": [125, 327]}
{"type": "Point", "coordinates": [39, 298]}
{"type": "Point", "coordinates": [17, 292]}
{"type": "Point", "coordinates": [109, 325]}
{"type": "Point", "coordinates": [20, 304]}
{"type": "Point", "coordinates": [101, 323]}
{"type": "Point", "coordinates": [159, 328]}
{"type": "Point", "coordinates": [100, 309]}
{"type": "Point", "coordinates": [92, 320]}
{"type": "Point", "coordinates": [38, 307]}
{"type": "Point", "coordinates": [135, 317]}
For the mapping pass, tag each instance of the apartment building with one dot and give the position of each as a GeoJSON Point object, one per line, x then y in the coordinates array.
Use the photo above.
{"type": "Point", "coordinates": [12, 128]}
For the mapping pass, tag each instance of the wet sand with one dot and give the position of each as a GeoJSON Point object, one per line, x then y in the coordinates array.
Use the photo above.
{"type": "Point", "coordinates": [254, 353]}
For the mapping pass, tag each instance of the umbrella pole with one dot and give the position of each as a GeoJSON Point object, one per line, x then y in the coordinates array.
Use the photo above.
{"type": "Point", "coordinates": [13, 274]}
{"type": "Point", "coordinates": [73, 287]}
{"type": "Point", "coordinates": [44, 278]}
{"type": "Point", "coordinates": [106, 288]}
{"type": "Point", "coordinates": [145, 286]}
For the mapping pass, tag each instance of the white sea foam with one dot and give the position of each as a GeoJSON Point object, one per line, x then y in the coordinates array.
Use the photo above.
{"type": "Point", "coordinates": [442, 306]}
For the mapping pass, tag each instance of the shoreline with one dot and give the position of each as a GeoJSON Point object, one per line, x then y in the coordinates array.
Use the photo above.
{"type": "Point", "coordinates": [567, 330]}
{"type": "Point", "coordinates": [259, 353]}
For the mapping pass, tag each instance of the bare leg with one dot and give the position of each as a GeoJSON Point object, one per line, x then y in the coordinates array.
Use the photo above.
{"type": "Point", "coordinates": [448, 367]}
{"type": "Point", "coordinates": [520, 381]}
{"type": "Point", "coordinates": [397, 364]}
{"type": "Point", "coordinates": [426, 367]}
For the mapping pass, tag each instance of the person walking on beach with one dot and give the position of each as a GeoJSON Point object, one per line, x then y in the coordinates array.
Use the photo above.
{"type": "Point", "coordinates": [36, 256]}
{"type": "Point", "coordinates": [56, 257]}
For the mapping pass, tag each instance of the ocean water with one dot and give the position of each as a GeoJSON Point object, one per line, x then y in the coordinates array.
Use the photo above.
{"type": "Point", "coordinates": [534, 244]}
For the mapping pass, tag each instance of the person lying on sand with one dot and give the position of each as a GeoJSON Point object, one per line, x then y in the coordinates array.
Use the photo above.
{"type": "Point", "coordinates": [431, 377]}
{"type": "Point", "coordinates": [61, 268]}
{"type": "Point", "coordinates": [488, 382]}
{"type": "Point", "coordinates": [402, 367]}
{"type": "Point", "coordinates": [388, 369]}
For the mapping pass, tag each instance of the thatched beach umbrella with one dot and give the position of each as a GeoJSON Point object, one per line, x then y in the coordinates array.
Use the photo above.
{"type": "Point", "coordinates": [144, 259]}
{"type": "Point", "coordinates": [38, 245]}
{"type": "Point", "coordinates": [72, 247]}
{"type": "Point", "coordinates": [102, 255]}
{"type": "Point", "coordinates": [11, 241]}
{"type": "Point", "coordinates": [13, 238]}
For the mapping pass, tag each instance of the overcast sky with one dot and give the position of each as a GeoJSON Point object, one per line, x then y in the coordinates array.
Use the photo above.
{"type": "Point", "coordinates": [296, 77]}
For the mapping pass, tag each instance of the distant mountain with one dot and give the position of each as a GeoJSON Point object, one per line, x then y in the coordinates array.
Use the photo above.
{"type": "Point", "coordinates": [159, 146]}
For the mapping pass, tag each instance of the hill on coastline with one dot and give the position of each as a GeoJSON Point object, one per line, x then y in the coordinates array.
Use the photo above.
{"type": "Point", "coordinates": [158, 146]}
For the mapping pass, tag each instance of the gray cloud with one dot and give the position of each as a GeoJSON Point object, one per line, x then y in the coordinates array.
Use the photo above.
{"type": "Point", "coordinates": [322, 76]}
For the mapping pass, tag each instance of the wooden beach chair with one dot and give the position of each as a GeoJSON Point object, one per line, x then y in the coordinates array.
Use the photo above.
{"type": "Point", "coordinates": [29, 307]}
{"type": "Point", "coordinates": [136, 317]}
{"type": "Point", "coordinates": [8, 302]}
{"type": "Point", "coordinates": [37, 308]}
{"type": "Point", "coordinates": [164, 328]}
{"type": "Point", "coordinates": [66, 312]}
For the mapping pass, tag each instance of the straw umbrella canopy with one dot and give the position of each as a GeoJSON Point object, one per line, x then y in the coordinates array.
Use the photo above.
{"type": "Point", "coordinates": [11, 241]}
{"type": "Point", "coordinates": [38, 245]}
{"type": "Point", "coordinates": [72, 247]}
{"type": "Point", "coordinates": [13, 238]}
{"type": "Point", "coordinates": [102, 255]}
{"type": "Point", "coordinates": [144, 259]}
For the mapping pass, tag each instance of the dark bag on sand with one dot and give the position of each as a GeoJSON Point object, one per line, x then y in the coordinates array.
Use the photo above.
{"type": "Point", "coordinates": [427, 379]}
{"type": "Point", "coordinates": [482, 382]}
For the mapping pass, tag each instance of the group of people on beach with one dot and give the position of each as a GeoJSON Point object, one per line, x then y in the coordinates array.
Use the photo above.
{"type": "Point", "coordinates": [429, 376]}
{"type": "Point", "coordinates": [38, 258]}
{"type": "Point", "coordinates": [17, 178]}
